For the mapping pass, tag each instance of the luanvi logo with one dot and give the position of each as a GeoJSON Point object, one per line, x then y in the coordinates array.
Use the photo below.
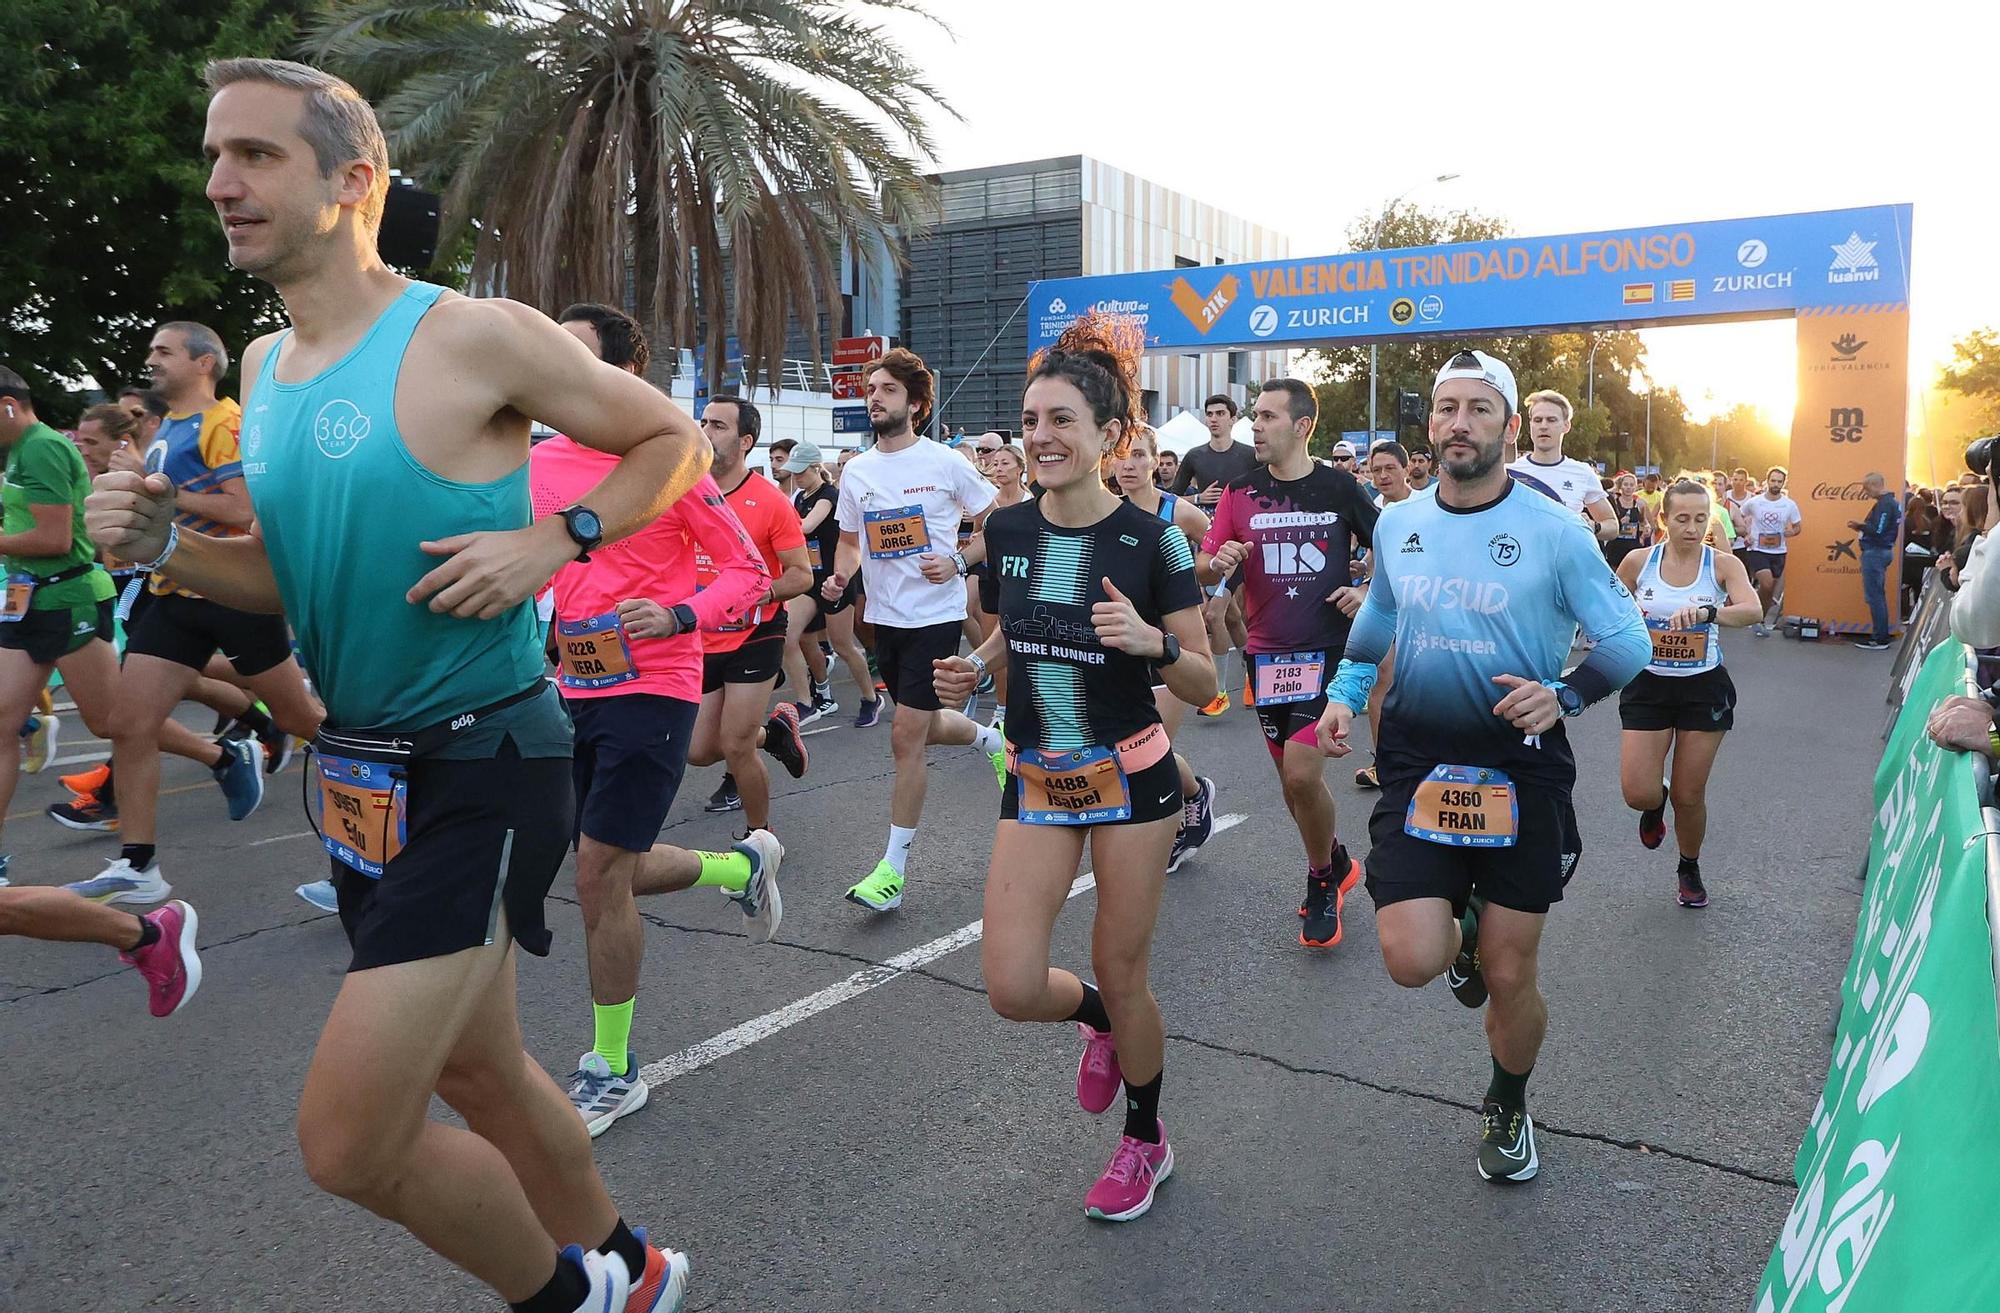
{"type": "Point", "coordinates": [1846, 423]}
{"type": "Point", "coordinates": [1203, 310]}
{"type": "Point", "coordinates": [1854, 262]}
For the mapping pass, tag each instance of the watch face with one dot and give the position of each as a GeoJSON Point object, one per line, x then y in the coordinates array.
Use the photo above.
{"type": "Point", "coordinates": [587, 523]}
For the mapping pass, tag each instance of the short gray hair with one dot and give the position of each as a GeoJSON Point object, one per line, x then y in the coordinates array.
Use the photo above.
{"type": "Point", "coordinates": [338, 123]}
{"type": "Point", "coordinates": [201, 340]}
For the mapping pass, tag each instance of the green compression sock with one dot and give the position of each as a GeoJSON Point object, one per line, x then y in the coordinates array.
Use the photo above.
{"type": "Point", "coordinates": [729, 871]}
{"type": "Point", "coordinates": [614, 1033]}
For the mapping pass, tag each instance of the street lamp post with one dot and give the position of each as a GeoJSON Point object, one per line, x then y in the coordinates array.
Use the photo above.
{"type": "Point", "coordinates": [1374, 359]}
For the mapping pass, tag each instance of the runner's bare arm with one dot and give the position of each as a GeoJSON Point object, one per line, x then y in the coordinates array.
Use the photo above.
{"type": "Point", "coordinates": [1603, 523]}
{"type": "Point", "coordinates": [521, 359]}
{"type": "Point", "coordinates": [796, 575]}
{"type": "Point", "coordinates": [1192, 678]}
{"type": "Point", "coordinates": [1628, 569]}
{"type": "Point", "coordinates": [49, 536]}
{"type": "Point", "coordinates": [228, 505]}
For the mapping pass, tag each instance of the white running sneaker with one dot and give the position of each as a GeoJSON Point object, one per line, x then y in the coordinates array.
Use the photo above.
{"type": "Point", "coordinates": [601, 1098]}
{"type": "Point", "coordinates": [759, 902]}
{"type": "Point", "coordinates": [120, 882]}
{"type": "Point", "coordinates": [321, 894]}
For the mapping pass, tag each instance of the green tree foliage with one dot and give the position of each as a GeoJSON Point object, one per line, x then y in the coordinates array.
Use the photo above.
{"type": "Point", "coordinates": [711, 155]}
{"type": "Point", "coordinates": [1610, 428]}
{"type": "Point", "coordinates": [1975, 370]}
{"type": "Point", "coordinates": [107, 230]}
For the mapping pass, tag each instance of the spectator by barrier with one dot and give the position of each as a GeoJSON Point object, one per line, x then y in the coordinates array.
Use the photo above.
{"type": "Point", "coordinates": [1896, 1208]}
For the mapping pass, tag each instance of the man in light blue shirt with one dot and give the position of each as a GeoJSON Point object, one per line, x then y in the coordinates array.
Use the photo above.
{"type": "Point", "coordinates": [1482, 589]}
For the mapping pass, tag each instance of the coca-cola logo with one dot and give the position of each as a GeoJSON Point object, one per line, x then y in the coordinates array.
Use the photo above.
{"type": "Point", "coordinates": [1840, 492]}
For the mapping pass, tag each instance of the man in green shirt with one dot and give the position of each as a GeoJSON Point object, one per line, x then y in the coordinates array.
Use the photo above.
{"type": "Point", "coordinates": [58, 601]}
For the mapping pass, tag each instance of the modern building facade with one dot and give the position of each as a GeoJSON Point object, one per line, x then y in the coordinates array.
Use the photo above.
{"type": "Point", "coordinates": [1002, 228]}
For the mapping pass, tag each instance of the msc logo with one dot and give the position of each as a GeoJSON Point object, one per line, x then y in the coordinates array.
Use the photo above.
{"type": "Point", "coordinates": [1503, 548]}
{"type": "Point", "coordinates": [1013, 567]}
{"type": "Point", "coordinates": [1203, 311]}
{"type": "Point", "coordinates": [1853, 262]}
{"type": "Point", "coordinates": [1752, 253]}
{"type": "Point", "coordinates": [1263, 321]}
{"type": "Point", "coordinates": [1413, 544]}
{"type": "Point", "coordinates": [1845, 347]}
{"type": "Point", "coordinates": [1846, 423]}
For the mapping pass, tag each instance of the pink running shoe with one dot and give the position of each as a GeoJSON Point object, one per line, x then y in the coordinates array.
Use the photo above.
{"type": "Point", "coordinates": [170, 964]}
{"type": "Point", "coordinates": [1125, 1191]}
{"type": "Point", "coordinates": [1097, 1074]}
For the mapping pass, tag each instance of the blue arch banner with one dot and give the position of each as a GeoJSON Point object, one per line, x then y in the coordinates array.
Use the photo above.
{"type": "Point", "coordinates": [1720, 270]}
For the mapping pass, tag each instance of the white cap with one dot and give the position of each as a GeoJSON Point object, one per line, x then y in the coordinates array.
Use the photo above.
{"type": "Point", "coordinates": [1485, 369]}
{"type": "Point", "coordinates": [1343, 448]}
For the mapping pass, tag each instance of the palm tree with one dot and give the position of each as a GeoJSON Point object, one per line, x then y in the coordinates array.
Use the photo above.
{"type": "Point", "coordinates": [717, 153]}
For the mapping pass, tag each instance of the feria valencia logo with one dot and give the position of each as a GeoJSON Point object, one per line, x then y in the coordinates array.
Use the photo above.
{"type": "Point", "coordinates": [339, 428]}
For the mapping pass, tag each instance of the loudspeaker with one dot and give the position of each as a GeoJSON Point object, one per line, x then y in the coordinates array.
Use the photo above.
{"type": "Point", "coordinates": [409, 233]}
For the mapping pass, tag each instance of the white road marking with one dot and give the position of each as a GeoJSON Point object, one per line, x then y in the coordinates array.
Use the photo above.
{"type": "Point", "coordinates": [736, 1038]}
{"type": "Point", "coordinates": [280, 838]}
{"type": "Point", "coordinates": [79, 758]}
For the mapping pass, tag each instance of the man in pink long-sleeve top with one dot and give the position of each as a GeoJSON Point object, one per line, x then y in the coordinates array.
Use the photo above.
{"type": "Point", "coordinates": [628, 624]}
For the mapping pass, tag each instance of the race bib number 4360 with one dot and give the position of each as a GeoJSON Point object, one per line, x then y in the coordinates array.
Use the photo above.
{"type": "Point", "coordinates": [1464, 807]}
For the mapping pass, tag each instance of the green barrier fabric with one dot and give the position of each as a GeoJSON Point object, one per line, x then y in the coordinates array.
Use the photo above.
{"type": "Point", "coordinates": [1899, 1198]}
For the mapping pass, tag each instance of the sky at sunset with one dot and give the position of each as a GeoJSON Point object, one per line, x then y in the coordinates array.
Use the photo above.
{"type": "Point", "coordinates": [1558, 117]}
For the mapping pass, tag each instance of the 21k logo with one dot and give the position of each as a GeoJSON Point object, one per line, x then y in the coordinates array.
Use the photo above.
{"type": "Point", "coordinates": [1203, 311]}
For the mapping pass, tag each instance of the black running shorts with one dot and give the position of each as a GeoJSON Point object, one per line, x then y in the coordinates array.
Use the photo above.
{"type": "Point", "coordinates": [823, 608]}
{"type": "Point", "coordinates": [1754, 560]}
{"type": "Point", "coordinates": [483, 835]}
{"type": "Point", "coordinates": [903, 659]}
{"type": "Point", "coordinates": [189, 630]}
{"type": "Point", "coordinates": [1703, 701]}
{"type": "Point", "coordinates": [759, 659]}
{"type": "Point", "coordinates": [57, 631]}
{"type": "Point", "coordinates": [631, 752]}
{"type": "Point", "coordinates": [1528, 877]}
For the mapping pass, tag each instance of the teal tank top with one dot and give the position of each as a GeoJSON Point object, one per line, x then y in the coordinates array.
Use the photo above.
{"type": "Point", "coordinates": [342, 505]}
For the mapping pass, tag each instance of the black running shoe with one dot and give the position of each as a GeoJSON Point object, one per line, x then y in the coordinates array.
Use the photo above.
{"type": "Point", "coordinates": [1506, 1144]}
{"type": "Point", "coordinates": [724, 799]}
{"type": "Point", "coordinates": [1693, 893]}
{"type": "Point", "coordinates": [783, 741]}
{"type": "Point", "coordinates": [1653, 821]}
{"type": "Point", "coordinates": [86, 812]}
{"type": "Point", "coordinates": [1321, 909]}
{"type": "Point", "coordinates": [1467, 982]}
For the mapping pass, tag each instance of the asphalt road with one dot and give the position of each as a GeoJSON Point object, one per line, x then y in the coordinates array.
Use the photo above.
{"type": "Point", "coordinates": [885, 1143]}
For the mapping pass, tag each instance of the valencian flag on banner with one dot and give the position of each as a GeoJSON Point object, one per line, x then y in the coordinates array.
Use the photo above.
{"type": "Point", "coordinates": [1896, 1207]}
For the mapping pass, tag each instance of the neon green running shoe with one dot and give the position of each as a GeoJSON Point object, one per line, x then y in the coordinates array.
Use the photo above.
{"type": "Point", "coordinates": [882, 891]}
{"type": "Point", "coordinates": [1000, 768]}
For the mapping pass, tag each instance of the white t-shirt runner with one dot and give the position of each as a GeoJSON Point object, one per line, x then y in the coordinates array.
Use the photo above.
{"type": "Point", "coordinates": [902, 504]}
{"type": "Point", "coordinates": [1574, 483]}
{"type": "Point", "coordinates": [1767, 519]}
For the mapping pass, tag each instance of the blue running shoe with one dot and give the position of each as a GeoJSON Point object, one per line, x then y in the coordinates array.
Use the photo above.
{"type": "Point", "coordinates": [870, 714]}
{"type": "Point", "coordinates": [320, 893]}
{"type": "Point", "coordinates": [241, 775]}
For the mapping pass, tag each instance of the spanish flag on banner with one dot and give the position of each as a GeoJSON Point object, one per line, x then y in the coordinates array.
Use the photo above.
{"type": "Point", "coordinates": [1681, 289]}
{"type": "Point", "coordinates": [1638, 294]}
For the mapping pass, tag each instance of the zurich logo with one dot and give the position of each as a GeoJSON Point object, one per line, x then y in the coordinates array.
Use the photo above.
{"type": "Point", "coordinates": [1751, 254]}
{"type": "Point", "coordinates": [339, 428]}
{"type": "Point", "coordinates": [1263, 321]}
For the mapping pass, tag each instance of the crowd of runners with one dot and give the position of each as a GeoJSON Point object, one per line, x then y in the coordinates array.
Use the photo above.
{"type": "Point", "coordinates": [501, 651]}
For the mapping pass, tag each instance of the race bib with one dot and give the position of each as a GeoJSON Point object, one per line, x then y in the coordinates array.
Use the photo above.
{"type": "Point", "coordinates": [594, 653]}
{"type": "Point", "coordinates": [1084, 786]}
{"type": "Point", "coordinates": [1464, 807]}
{"type": "Point", "coordinates": [1280, 677]}
{"type": "Point", "coordinates": [1770, 541]}
{"type": "Point", "coordinates": [815, 557]}
{"type": "Point", "coordinates": [363, 811]}
{"type": "Point", "coordinates": [897, 532]}
{"type": "Point", "coordinates": [1679, 649]}
{"type": "Point", "coordinates": [20, 592]}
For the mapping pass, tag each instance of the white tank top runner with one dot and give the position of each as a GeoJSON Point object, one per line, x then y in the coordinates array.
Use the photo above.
{"type": "Point", "coordinates": [1688, 651]}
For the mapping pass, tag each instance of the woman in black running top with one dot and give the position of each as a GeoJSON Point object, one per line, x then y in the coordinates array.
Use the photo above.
{"type": "Point", "coordinates": [1095, 596]}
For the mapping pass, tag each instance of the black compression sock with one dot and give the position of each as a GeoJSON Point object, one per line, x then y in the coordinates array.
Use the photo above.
{"type": "Point", "coordinates": [1690, 865]}
{"type": "Point", "coordinates": [254, 720]}
{"type": "Point", "coordinates": [564, 1293]}
{"type": "Point", "coordinates": [1142, 1109]}
{"type": "Point", "coordinates": [149, 934]}
{"type": "Point", "coordinates": [1507, 1089]}
{"type": "Point", "coordinates": [1091, 1011]}
{"type": "Point", "coordinates": [626, 1245]}
{"type": "Point", "coordinates": [139, 854]}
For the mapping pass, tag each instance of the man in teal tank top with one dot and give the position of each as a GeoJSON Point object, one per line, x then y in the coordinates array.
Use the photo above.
{"type": "Point", "coordinates": [385, 445]}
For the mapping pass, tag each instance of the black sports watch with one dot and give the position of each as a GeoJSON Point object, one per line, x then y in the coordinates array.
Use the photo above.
{"type": "Point", "coordinates": [1567, 698]}
{"type": "Point", "coordinates": [1170, 649]}
{"type": "Point", "coordinates": [585, 529]}
{"type": "Point", "coordinates": [684, 618]}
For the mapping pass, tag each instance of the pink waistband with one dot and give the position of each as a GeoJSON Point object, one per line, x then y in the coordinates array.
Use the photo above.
{"type": "Point", "coordinates": [1146, 748]}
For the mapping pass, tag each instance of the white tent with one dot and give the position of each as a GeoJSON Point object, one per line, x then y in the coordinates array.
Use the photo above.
{"type": "Point", "coordinates": [1182, 434]}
